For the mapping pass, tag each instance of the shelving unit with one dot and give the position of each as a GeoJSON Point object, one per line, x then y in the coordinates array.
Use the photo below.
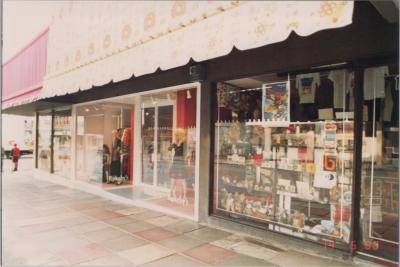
{"type": "Point", "coordinates": [274, 188]}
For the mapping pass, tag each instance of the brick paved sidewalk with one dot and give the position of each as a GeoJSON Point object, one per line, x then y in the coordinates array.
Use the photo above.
{"type": "Point", "coordinates": [48, 224]}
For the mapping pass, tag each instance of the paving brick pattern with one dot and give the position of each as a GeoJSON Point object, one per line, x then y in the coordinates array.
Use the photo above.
{"type": "Point", "coordinates": [51, 225]}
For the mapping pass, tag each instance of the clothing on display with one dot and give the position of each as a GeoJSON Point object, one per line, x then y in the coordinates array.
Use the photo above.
{"type": "Point", "coordinates": [387, 112]}
{"type": "Point", "coordinates": [106, 163]}
{"type": "Point", "coordinates": [120, 156]}
{"type": "Point", "coordinates": [178, 168]}
{"type": "Point", "coordinates": [339, 79]}
{"type": "Point", "coordinates": [374, 82]}
{"type": "Point", "coordinates": [324, 95]}
{"type": "Point", "coordinates": [125, 153]}
{"type": "Point", "coordinates": [307, 85]}
{"type": "Point", "coordinates": [350, 90]}
{"type": "Point", "coordinates": [115, 166]}
{"type": "Point", "coordinates": [388, 102]}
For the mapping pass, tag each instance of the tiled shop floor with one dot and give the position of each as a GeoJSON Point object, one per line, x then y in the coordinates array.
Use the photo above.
{"type": "Point", "coordinates": [48, 224]}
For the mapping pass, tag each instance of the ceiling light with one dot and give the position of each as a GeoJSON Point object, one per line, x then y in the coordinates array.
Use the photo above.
{"type": "Point", "coordinates": [330, 65]}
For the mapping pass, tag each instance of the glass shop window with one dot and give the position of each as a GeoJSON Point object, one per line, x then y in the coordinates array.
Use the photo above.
{"type": "Point", "coordinates": [44, 142]}
{"type": "Point", "coordinates": [145, 142]}
{"type": "Point", "coordinates": [103, 137]}
{"type": "Point", "coordinates": [62, 142]}
{"type": "Point", "coordinates": [168, 160]}
{"type": "Point", "coordinates": [379, 207]}
{"type": "Point", "coordinates": [283, 152]}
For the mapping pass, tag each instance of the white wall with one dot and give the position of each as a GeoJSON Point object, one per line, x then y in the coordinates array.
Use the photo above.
{"type": "Point", "coordinates": [12, 130]}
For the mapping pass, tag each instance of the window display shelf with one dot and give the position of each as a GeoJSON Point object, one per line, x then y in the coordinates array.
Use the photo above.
{"type": "Point", "coordinates": [243, 189]}
{"type": "Point", "coordinates": [303, 198]}
{"type": "Point", "coordinates": [234, 162]}
{"type": "Point", "coordinates": [303, 188]}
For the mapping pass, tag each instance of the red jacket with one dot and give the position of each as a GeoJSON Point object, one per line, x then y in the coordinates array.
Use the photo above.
{"type": "Point", "coordinates": [15, 152]}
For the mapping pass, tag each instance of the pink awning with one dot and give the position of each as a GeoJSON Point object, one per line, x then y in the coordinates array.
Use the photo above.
{"type": "Point", "coordinates": [23, 73]}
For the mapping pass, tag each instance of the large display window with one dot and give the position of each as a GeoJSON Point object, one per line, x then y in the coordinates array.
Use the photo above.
{"type": "Point", "coordinates": [283, 152]}
{"type": "Point", "coordinates": [44, 141]}
{"type": "Point", "coordinates": [62, 142]}
{"type": "Point", "coordinates": [102, 136]}
{"type": "Point", "coordinates": [142, 147]}
{"type": "Point", "coordinates": [379, 214]}
{"type": "Point", "coordinates": [168, 134]}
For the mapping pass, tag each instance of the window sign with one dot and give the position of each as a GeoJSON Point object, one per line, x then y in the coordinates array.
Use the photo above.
{"type": "Point", "coordinates": [276, 102]}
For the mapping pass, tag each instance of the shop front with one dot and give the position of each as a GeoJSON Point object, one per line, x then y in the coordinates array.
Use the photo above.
{"type": "Point", "coordinates": [298, 137]}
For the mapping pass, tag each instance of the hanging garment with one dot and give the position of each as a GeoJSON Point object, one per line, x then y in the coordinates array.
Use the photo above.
{"type": "Point", "coordinates": [374, 82]}
{"type": "Point", "coordinates": [307, 84]}
{"type": "Point", "coordinates": [115, 166]}
{"type": "Point", "coordinates": [388, 104]}
{"type": "Point", "coordinates": [338, 77]}
{"type": "Point", "coordinates": [350, 89]}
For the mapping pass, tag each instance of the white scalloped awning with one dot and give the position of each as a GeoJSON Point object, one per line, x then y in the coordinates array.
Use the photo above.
{"type": "Point", "coordinates": [93, 43]}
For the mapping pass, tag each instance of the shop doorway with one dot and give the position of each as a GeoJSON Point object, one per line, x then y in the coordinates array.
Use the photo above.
{"type": "Point", "coordinates": [158, 121]}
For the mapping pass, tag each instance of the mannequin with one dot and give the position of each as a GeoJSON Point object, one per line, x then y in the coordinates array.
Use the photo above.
{"type": "Point", "coordinates": [126, 142]}
{"type": "Point", "coordinates": [115, 166]}
{"type": "Point", "coordinates": [178, 173]}
{"type": "Point", "coordinates": [106, 163]}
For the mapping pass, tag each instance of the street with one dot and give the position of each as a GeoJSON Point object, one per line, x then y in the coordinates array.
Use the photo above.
{"type": "Point", "coordinates": [49, 224]}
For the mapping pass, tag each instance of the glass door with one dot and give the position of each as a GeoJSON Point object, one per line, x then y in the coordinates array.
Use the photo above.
{"type": "Point", "coordinates": [379, 214]}
{"type": "Point", "coordinates": [164, 141]}
{"type": "Point", "coordinates": [157, 137]}
{"type": "Point", "coordinates": [148, 144]}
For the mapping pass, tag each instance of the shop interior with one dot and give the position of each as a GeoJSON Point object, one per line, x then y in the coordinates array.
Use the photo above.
{"type": "Point", "coordinates": [141, 147]}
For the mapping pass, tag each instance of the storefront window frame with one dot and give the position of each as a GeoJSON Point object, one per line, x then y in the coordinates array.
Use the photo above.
{"type": "Point", "coordinates": [197, 86]}
{"type": "Point", "coordinates": [54, 114]}
{"type": "Point", "coordinates": [38, 114]}
{"type": "Point", "coordinates": [269, 225]}
{"type": "Point", "coordinates": [355, 236]}
{"type": "Point", "coordinates": [357, 247]}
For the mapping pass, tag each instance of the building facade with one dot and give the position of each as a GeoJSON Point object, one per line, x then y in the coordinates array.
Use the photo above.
{"type": "Point", "coordinates": [293, 139]}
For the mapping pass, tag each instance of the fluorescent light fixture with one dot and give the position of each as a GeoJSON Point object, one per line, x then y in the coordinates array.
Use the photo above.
{"type": "Point", "coordinates": [330, 65]}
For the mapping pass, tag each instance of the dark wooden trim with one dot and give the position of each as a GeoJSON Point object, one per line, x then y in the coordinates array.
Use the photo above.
{"type": "Point", "coordinates": [213, 119]}
{"type": "Point", "coordinates": [355, 232]}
